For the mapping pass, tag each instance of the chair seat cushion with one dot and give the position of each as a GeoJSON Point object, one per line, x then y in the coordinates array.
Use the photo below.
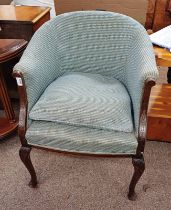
{"type": "Point", "coordinates": [86, 140]}
{"type": "Point", "coordinates": [85, 99]}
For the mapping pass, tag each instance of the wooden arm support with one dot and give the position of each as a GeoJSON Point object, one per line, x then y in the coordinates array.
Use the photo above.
{"type": "Point", "coordinates": [23, 106]}
{"type": "Point", "coordinates": [142, 131]}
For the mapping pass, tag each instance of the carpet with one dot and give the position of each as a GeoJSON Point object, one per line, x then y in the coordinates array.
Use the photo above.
{"type": "Point", "coordinates": [68, 182]}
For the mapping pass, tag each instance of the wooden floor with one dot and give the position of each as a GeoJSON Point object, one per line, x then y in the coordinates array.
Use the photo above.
{"type": "Point", "coordinates": [159, 112]}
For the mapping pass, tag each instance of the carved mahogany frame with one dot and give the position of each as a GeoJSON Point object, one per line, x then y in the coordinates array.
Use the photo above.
{"type": "Point", "coordinates": [137, 159]}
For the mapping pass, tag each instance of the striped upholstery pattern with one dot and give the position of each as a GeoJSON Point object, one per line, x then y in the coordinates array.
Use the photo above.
{"type": "Point", "coordinates": [80, 139]}
{"type": "Point", "coordinates": [96, 42]}
{"type": "Point", "coordinates": [85, 99]}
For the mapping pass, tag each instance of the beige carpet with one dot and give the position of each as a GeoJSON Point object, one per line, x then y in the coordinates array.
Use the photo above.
{"type": "Point", "coordinates": [83, 183]}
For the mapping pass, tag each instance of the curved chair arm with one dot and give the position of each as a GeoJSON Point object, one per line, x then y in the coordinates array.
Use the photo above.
{"type": "Point", "coordinates": [140, 70]}
{"type": "Point", "coordinates": [38, 64]}
{"type": "Point", "coordinates": [142, 130]}
{"type": "Point", "coordinates": [23, 106]}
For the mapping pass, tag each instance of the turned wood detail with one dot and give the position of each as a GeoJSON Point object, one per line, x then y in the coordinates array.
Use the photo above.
{"type": "Point", "coordinates": [24, 153]}
{"type": "Point", "coordinates": [139, 167]}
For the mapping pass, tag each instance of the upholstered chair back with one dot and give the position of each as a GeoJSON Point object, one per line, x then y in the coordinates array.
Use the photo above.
{"type": "Point", "coordinates": [96, 42]}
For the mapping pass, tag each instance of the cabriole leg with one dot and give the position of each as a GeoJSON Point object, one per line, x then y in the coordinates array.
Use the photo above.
{"type": "Point", "coordinates": [25, 157]}
{"type": "Point", "coordinates": [139, 167]}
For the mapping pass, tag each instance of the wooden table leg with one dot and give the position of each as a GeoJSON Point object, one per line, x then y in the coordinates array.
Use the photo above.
{"type": "Point", "coordinates": [7, 124]}
{"type": "Point", "coordinates": [169, 75]}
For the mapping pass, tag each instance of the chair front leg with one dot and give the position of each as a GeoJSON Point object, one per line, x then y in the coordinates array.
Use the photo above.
{"type": "Point", "coordinates": [24, 153]}
{"type": "Point", "coordinates": [139, 167]}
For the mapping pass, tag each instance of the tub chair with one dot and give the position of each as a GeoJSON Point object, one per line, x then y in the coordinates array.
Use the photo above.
{"type": "Point", "coordinates": [84, 82]}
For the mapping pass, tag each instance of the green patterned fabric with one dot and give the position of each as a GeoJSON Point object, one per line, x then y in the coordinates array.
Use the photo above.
{"type": "Point", "coordinates": [85, 99]}
{"type": "Point", "coordinates": [96, 42]}
{"type": "Point", "coordinates": [80, 139]}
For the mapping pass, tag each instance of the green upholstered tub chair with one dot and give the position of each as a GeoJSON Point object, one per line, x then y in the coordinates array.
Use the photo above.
{"type": "Point", "coordinates": [84, 83]}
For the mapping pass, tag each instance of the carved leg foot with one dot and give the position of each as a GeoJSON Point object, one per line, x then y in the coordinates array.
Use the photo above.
{"type": "Point", "coordinates": [25, 157]}
{"type": "Point", "coordinates": [139, 167]}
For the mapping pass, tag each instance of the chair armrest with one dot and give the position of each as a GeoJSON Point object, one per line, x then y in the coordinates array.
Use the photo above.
{"type": "Point", "coordinates": [38, 64]}
{"type": "Point", "coordinates": [140, 67]}
{"type": "Point", "coordinates": [22, 125]}
{"type": "Point", "coordinates": [142, 129]}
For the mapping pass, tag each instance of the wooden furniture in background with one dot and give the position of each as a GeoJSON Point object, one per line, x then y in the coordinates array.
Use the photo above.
{"type": "Point", "coordinates": [158, 14]}
{"type": "Point", "coordinates": [5, 2]}
{"type": "Point", "coordinates": [9, 50]}
{"type": "Point", "coordinates": [159, 115]}
{"type": "Point", "coordinates": [168, 6]}
{"type": "Point", "coordinates": [135, 9]}
{"type": "Point", "coordinates": [159, 112]}
{"type": "Point", "coordinates": [20, 22]}
{"type": "Point", "coordinates": [163, 58]}
{"type": "Point", "coordinates": [154, 14]}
